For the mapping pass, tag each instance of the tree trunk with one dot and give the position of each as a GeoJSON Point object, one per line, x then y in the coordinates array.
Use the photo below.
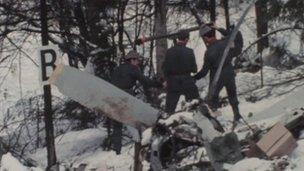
{"type": "Point", "coordinates": [262, 28]}
{"type": "Point", "coordinates": [226, 8]}
{"type": "Point", "coordinates": [160, 29]}
{"type": "Point", "coordinates": [261, 23]}
{"type": "Point", "coordinates": [137, 163]}
{"type": "Point", "coordinates": [96, 15]}
{"type": "Point", "coordinates": [212, 10]}
{"type": "Point", "coordinates": [38, 125]}
{"type": "Point", "coordinates": [79, 15]}
{"type": "Point", "coordinates": [302, 43]}
{"type": "Point", "coordinates": [120, 25]}
{"type": "Point", "coordinates": [94, 11]}
{"type": "Point", "coordinates": [48, 113]}
{"type": "Point", "coordinates": [151, 49]}
{"type": "Point", "coordinates": [65, 26]}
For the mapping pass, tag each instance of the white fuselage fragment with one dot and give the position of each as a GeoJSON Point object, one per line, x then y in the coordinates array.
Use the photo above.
{"type": "Point", "coordinates": [98, 94]}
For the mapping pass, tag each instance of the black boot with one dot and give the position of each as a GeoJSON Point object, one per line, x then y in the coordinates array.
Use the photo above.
{"type": "Point", "coordinates": [236, 113]}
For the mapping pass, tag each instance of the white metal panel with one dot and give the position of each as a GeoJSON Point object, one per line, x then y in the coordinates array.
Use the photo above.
{"type": "Point", "coordinates": [98, 94]}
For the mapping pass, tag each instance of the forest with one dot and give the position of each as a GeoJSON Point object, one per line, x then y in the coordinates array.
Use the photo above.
{"type": "Point", "coordinates": [43, 129]}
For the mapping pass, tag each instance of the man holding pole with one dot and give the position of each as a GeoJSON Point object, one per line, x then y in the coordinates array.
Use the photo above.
{"type": "Point", "coordinates": [212, 59]}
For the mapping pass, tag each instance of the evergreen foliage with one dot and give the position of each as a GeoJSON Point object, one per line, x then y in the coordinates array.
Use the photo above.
{"type": "Point", "coordinates": [287, 11]}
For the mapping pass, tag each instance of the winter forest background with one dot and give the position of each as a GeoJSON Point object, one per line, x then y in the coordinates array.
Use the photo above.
{"type": "Point", "coordinates": [94, 35]}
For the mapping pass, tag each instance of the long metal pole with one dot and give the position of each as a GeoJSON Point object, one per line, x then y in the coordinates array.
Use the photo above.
{"type": "Point", "coordinates": [48, 119]}
{"type": "Point", "coordinates": [225, 54]}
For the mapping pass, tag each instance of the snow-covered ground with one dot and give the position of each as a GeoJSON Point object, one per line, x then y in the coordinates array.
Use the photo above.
{"type": "Point", "coordinates": [84, 146]}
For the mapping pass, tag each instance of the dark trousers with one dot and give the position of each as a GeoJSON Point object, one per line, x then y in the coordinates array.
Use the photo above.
{"type": "Point", "coordinates": [173, 97]}
{"type": "Point", "coordinates": [229, 84]}
{"type": "Point", "coordinates": [117, 136]}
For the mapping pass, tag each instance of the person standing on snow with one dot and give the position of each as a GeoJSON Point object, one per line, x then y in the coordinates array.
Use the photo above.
{"type": "Point", "coordinates": [179, 63]}
{"type": "Point", "coordinates": [212, 59]}
{"type": "Point", "coordinates": [125, 77]}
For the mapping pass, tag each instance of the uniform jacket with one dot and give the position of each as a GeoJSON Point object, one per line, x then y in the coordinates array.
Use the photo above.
{"type": "Point", "coordinates": [177, 66]}
{"type": "Point", "coordinates": [126, 75]}
{"type": "Point", "coordinates": [214, 54]}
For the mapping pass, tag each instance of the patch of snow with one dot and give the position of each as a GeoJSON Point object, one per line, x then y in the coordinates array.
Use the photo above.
{"type": "Point", "coordinates": [104, 160]}
{"type": "Point", "coordinates": [185, 116]}
{"type": "Point", "coordinates": [89, 68]}
{"type": "Point", "coordinates": [299, 151]}
{"type": "Point", "coordinates": [10, 163]}
{"type": "Point", "coordinates": [181, 103]}
{"type": "Point", "coordinates": [292, 101]}
{"type": "Point", "coordinates": [146, 136]}
{"type": "Point", "coordinates": [133, 133]}
{"type": "Point", "coordinates": [199, 155]}
{"type": "Point", "coordinates": [252, 164]}
{"type": "Point", "coordinates": [73, 144]}
{"type": "Point", "coordinates": [246, 108]}
{"type": "Point", "coordinates": [297, 158]}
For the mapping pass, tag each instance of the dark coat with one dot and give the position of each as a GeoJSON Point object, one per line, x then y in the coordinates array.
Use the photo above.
{"type": "Point", "coordinates": [126, 75]}
{"type": "Point", "coordinates": [214, 55]}
{"type": "Point", "coordinates": [177, 66]}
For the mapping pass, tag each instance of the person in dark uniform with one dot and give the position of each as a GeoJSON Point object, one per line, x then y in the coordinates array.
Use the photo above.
{"type": "Point", "coordinates": [125, 77]}
{"type": "Point", "coordinates": [212, 59]}
{"type": "Point", "coordinates": [179, 63]}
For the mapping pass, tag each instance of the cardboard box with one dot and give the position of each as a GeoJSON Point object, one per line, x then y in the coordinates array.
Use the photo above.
{"type": "Point", "coordinates": [277, 142]}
